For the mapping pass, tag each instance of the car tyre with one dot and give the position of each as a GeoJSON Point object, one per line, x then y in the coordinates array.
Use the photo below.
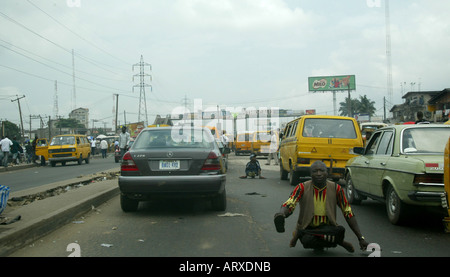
{"type": "Point", "coordinates": [350, 192]}
{"type": "Point", "coordinates": [219, 203]}
{"type": "Point", "coordinates": [87, 159]}
{"type": "Point", "coordinates": [127, 204]}
{"type": "Point", "coordinates": [53, 164]}
{"type": "Point", "coordinates": [397, 211]}
{"type": "Point", "coordinates": [283, 173]}
{"type": "Point", "coordinates": [80, 160]}
{"type": "Point", "coordinates": [294, 177]}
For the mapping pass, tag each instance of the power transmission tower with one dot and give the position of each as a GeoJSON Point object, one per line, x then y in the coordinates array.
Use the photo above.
{"type": "Point", "coordinates": [142, 85]}
{"type": "Point", "coordinates": [388, 55]}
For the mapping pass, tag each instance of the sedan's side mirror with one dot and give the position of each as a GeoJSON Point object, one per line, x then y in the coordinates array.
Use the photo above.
{"type": "Point", "coordinates": [358, 150]}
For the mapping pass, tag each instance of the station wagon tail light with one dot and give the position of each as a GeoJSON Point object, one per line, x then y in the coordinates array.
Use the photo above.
{"type": "Point", "coordinates": [423, 179]}
{"type": "Point", "coordinates": [212, 162]}
{"type": "Point", "coordinates": [127, 163]}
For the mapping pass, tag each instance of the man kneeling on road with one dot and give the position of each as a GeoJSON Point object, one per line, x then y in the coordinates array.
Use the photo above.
{"type": "Point", "coordinates": [316, 225]}
{"type": "Point", "coordinates": [253, 168]}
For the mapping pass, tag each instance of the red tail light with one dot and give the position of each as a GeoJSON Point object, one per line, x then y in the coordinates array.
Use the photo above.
{"type": "Point", "coordinates": [128, 163]}
{"type": "Point", "coordinates": [212, 162]}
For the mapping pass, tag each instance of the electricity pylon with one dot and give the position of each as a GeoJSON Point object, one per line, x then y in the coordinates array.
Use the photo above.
{"type": "Point", "coordinates": [142, 85]}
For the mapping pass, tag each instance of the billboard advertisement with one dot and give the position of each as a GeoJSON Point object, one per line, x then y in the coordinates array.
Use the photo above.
{"type": "Point", "coordinates": [332, 83]}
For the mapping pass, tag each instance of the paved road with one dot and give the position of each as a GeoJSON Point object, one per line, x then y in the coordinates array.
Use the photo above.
{"type": "Point", "coordinates": [41, 175]}
{"type": "Point", "coordinates": [192, 229]}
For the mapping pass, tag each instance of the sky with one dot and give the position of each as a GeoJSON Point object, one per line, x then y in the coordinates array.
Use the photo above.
{"type": "Point", "coordinates": [231, 53]}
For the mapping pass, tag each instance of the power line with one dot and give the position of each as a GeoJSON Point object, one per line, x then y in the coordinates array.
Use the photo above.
{"type": "Point", "coordinates": [91, 61]}
{"type": "Point", "coordinates": [63, 72]}
{"type": "Point", "coordinates": [63, 83]}
{"type": "Point", "coordinates": [79, 36]}
{"type": "Point", "coordinates": [48, 60]}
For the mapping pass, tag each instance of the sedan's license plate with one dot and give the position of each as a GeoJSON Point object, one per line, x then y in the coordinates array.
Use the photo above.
{"type": "Point", "coordinates": [169, 165]}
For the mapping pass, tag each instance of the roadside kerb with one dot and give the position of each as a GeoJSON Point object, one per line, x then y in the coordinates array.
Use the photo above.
{"type": "Point", "coordinates": [41, 217]}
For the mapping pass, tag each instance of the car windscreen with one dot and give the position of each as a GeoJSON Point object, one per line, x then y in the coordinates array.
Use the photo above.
{"type": "Point", "coordinates": [63, 140]}
{"type": "Point", "coordinates": [424, 140]}
{"type": "Point", "coordinates": [174, 138]}
{"type": "Point", "coordinates": [329, 128]}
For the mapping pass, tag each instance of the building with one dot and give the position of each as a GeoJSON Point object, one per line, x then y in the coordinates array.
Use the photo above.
{"type": "Point", "coordinates": [415, 101]}
{"type": "Point", "coordinates": [439, 106]}
{"type": "Point", "coordinates": [82, 115]}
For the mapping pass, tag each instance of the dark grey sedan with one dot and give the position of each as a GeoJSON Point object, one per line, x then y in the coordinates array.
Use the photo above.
{"type": "Point", "coordinates": [173, 162]}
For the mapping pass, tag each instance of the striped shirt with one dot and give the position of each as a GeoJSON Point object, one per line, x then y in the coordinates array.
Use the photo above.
{"type": "Point", "coordinates": [320, 216]}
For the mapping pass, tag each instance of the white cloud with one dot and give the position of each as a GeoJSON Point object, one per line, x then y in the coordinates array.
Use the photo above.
{"type": "Point", "coordinates": [222, 51]}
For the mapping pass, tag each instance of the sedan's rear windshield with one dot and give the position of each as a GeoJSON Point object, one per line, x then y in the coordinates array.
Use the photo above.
{"type": "Point", "coordinates": [174, 138]}
{"type": "Point", "coordinates": [329, 128]}
{"type": "Point", "coordinates": [425, 140]}
{"type": "Point", "coordinates": [63, 140]}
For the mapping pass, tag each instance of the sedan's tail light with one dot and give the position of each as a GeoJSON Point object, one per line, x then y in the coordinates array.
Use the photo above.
{"type": "Point", "coordinates": [212, 162]}
{"type": "Point", "coordinates": [128, 163]}
{"type": "Point", "coordinates": [428, 179]}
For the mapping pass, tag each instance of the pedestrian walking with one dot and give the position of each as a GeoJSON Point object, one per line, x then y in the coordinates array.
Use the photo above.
{"type": "Point", "coordinates": [16, 150]}
{"type": "Point", "coordinates": [124, 141]}
{"type": "Point", "coordinates": [33, 146]}
{"type": "Point", "coordinates": [6, 145]}
{"type": "Point", "coordinates": [103, 147]}
{"type": "Point", "coordinates": [28, 152]}
{"type": "Point", "coordinates": [93, 146]}
{"type": "Point", "coordinates": [316, 225]}
{"type": "Point", "coordinates": [273, 149]}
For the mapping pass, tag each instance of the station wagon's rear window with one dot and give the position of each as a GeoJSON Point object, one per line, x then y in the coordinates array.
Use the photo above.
{"type": "Point", "coordinates": [424, 140]}
{"type": "Point", "coordinates": [329, 128]}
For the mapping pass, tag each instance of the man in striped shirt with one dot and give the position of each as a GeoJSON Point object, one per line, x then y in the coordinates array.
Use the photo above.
{"type": "Point", "coordinates": [316, 226]}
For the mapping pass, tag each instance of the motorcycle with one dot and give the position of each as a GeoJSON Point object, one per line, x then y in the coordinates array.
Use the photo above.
{"type": "Point", "coordinates": [117, 156]}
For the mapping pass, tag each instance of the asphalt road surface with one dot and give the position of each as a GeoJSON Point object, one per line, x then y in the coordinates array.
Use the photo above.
{"type": "Point", "coordinates": [245, 229]}
{"type": "Point", "coordinates": [41, 175]}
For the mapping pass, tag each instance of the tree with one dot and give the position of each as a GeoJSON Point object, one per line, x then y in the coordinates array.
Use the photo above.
{"type": "Point", "coordinates": [366, 106]}
{"type": "Point", "coordinates": [343, 109]}
{"type": "Point", "coordinates": [70, 123]}
{"type": "Point", "coordinates": [11, 130]}
{"type": "Point", "coordinates": [363, 105]}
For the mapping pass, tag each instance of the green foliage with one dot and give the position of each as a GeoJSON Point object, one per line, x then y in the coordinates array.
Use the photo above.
{"type": "Point", "coordinates": [363, 105]}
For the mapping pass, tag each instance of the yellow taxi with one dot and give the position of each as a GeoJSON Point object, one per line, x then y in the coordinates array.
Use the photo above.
{"type": "Point", "coordinates": [261, 142]}
{"type": "Point", "coordinates": [42, 150]}
{"type": "Point", "coordinates": [243, 144]}
{"type": "Point", "coordinates": [67, 148]}
{"type": "Point", "coordinates": [313, 138]}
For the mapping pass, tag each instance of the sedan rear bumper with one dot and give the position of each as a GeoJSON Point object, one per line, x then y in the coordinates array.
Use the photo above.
{"type": "Point", "coordinates": [172, 186]}
{"type": "Point", "coordinates": [423, 196]}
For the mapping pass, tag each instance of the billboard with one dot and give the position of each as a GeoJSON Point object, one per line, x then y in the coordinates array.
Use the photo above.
{"type": "Point", "coordinates": [332, 83]}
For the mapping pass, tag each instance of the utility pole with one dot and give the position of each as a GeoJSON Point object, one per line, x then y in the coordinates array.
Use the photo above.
{"type": "Point", "coordinates": [74, 96]}
{"type": "Point", "coordinates": [388, 54]}
{"type": "Point", "coordinates": [20, 112]}
{"type": "Point", "coordinates": [142, 85]}
{"type": "Point", "coordinates": [33, 117]}
{"type": "Point", "coordinates": [55, 101]}
{"type": "Point", "coordinates": [117, 113]}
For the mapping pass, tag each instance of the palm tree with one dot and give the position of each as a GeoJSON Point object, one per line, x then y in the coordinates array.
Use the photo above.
{"type": "Point", "coordinates": [363, 105]}
{"type": "Point", "coordinates": [366, 106]}
{"type": "Point", "coordinates": [343, 109]}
